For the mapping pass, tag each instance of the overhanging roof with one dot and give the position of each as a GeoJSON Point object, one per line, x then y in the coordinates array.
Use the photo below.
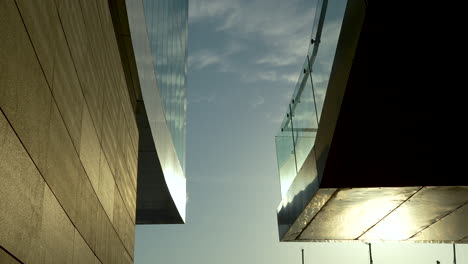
{"type": "Point", "coordinates": [380, 169]}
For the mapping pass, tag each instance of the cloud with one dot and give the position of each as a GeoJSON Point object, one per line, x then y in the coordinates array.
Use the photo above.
{"type": "Point", "coordinates": [271, 34]}
{"type": "Point", "coordinates": [258, 102]}
{"type": "Point", "coordinates": [270, 76]}
{"type": "Point", "coordinates": [274, 119]}
{"type": "Point", "coordinates": [276, 60]}
{"type": "Point", "coordinates": [203, 59]}
{"type": "Point", "coordinates": [203, 99]}
{"type": "Point", "coordinates": [202, 9]}
{"type": "Point", "coordinates": [283, 26]}
{"type": "Point", "coordinates": [234, 47]}
{"type": "Point", "coordinates": [290, 77]}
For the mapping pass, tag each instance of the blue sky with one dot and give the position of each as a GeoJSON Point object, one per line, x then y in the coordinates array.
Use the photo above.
{"type": "Point", "coordinates": [244, 60]}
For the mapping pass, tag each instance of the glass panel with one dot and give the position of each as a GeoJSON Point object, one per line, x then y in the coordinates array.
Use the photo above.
{"type": "Point", "coordinates": [318, 10]}
{"type": "Point", "coordinates": [285, 156]}
{"type": "Point", "coordinates": [305, 121]}
{"type": "Point", "coordinates": [167, 30]}
{"type": "Point", "coordinates": [298, 130]}
{"type": "Point", "coordinates": [325, 53]}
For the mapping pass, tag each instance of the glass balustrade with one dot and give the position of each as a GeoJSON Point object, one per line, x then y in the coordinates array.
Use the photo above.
{"type": "Point", "coordinates": [297, 134]}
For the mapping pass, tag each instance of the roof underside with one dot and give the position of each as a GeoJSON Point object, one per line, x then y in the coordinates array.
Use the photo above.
{"type": "Point", "coordinates": [385, 168]}
{"type": "Point", "coordinates": [420, 214]}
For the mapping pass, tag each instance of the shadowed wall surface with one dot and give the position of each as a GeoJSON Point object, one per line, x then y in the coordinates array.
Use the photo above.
{"type": "Point", "coordinates": [68, 135]}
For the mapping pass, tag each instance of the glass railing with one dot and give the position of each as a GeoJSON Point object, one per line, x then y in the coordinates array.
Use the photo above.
{"type": "Point", "coordinates": [298, 130]}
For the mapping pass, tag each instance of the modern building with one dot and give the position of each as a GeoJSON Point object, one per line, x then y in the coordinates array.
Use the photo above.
{"type": "Point", "coordinates": [362, 154]}
{"type": "Point", "coordinates": [92, 126]}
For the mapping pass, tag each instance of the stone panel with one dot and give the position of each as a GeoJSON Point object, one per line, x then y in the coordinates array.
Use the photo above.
{"type": "Point", "coordinates": [24, 95]}
{"type": "Point", "coordinates": [122, 177]}
{"type": "Point", "coordinates": [127, 259]}
{"type": "Point", "coordinates": [70, 140]}
{"type": "Point", "coordinates": [43, 25]}
{"type": "Point", "coordinates": [109, 137]}
{"type": "Point", "coordinates": [126, 190]}
{"type": "Point", "coordinates": [87, 211]}
{"type": "Point", "coordinates": [102, 236]}
{"type": "Point", "coordinates": [77, 36]}
{"type": "Point", "coordinates": [106, 187]}
{"type": "Point", "coordinates": [67, 91]}
{"type": "Point", "coordinates": [57, 231]}
{"type": "Point", "coordinates": [21, 197]}
{"type": "Point", "coordinates": [5, 258]}
{"type": "Point", "coordinates": [63, 167]}
{"type": "Point", "coordinates": [97, 50]}
{"type": "Point", "coordinates": [117, 248]}
{"type": "Point", "coordinates": [129, 156]}
{"type": "Point", "coordinates": [131, 159]}
{"type": "Point", "coordinates": [106, 19]}
{"type": "Point", "coordinates": [90, 149]}
{"type": "Point", "coordinates": [123, 224]}
{"type": "Point", "coordinates": [132, 127]}
{"type": "Point", "coordinates": [82, 254]}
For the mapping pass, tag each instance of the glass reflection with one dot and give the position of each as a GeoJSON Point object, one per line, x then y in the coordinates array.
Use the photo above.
{"type": "Point", "coordinates": [167, 28]}
{"type": "Point", "coordinates": [306, 104]}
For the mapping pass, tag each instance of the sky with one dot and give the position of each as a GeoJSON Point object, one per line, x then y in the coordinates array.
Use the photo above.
{"type": "Point", "coordinates": [244, 60]}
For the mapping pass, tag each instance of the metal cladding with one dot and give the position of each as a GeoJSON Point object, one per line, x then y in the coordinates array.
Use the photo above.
{"type": "Point", "coordinates": [419, 214]}
{"type": "Point", "coordinates": [374, 171]}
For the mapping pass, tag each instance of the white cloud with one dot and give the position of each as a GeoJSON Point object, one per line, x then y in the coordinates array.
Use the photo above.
{"type": "Point", "coordinates": [234, 47]}
{"type": "Point", "coordinates": [203, 59]}
{"type": "Point", "coordinates": [200, 9]}
{"type": "Point", "coordinates": [258, 102]}
{"type": "Point", "coordinates": [272, 76]}
{"type": "Point", "coordinates": [203, 99]}
{"type": "Point", "coordinates": [276, 60]}
{"type": "Point", "coordinates": [275, 119]}
{"type": "Point", "coordinates": [282, 27]}
{"type": "Point", "coordinates": [290, 77]}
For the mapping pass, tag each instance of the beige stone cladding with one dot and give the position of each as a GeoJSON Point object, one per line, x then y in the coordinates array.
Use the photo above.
{"type": "Point", "coordinates": [68, 136]}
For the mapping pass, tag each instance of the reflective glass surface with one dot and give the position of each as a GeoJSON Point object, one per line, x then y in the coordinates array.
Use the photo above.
{"type": "Point", "coordinates": [299, 127]}
{"type": "Point", "coordinates": [285, 155]}
{"type": "Point", "coordinates": [145, 40]}
{"type": "Point", "coordinates": [167, 26]}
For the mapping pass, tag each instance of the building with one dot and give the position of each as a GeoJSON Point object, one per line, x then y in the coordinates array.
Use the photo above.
{"type": "Point", "coordinates": [360, 154]}
{"type": "Point", "coordinates": [92, 128]}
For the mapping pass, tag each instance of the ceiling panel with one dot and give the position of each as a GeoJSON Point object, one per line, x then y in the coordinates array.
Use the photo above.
{"type": "Point", "coordinates": [452, 228]}
{"type": "Point", "coordinates": [420, 211]}
{"type": "Point", "coordinates": [353, 211]}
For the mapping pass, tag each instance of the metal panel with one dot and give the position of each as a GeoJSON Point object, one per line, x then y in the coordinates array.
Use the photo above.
{"type": "Point", "coordinates": [320, 198]}
{"type": "Point", "coordinates": [299, 195]}
{"type": "Point", "coordinates": [451, 228]}
{"type": "Point", "coordinates": [422, 210]}
{"type": "Point", "coordinates": [351, 212]}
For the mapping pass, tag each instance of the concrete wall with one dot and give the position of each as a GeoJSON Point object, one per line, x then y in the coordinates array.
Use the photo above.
{"type": "Point", "coordinates": [68, 136]}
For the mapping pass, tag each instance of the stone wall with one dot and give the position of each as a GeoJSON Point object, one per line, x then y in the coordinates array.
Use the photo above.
{"type": "Point", "coordinates": [68, 135]}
